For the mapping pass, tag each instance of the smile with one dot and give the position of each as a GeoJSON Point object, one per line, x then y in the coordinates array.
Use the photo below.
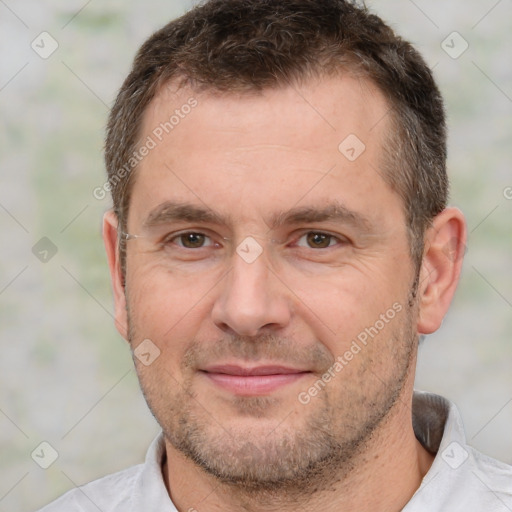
{"type": "Point", "coordinates": [254, 381]}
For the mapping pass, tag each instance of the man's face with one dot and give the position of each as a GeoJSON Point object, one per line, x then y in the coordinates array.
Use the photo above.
{"type": "Point", "coordinates": [272, 272]}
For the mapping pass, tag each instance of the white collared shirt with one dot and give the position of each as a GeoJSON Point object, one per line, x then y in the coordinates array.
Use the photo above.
{"type": "Point", "coordinates": [460, 478]}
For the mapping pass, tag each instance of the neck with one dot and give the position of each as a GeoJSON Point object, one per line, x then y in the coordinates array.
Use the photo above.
{"type": "Point", "coordinates": [388, 471]}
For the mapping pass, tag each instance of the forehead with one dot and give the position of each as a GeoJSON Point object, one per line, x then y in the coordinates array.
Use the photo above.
{"type": "Point", "coordinates": [341, 102]}
{"type": "Point", "coordinates": [276, 147]}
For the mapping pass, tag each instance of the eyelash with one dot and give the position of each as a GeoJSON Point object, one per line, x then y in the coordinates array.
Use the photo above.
{"type": "Point", "coordinates": [171, 239]}
{"type": "Point", "coordinates": [174, 237]}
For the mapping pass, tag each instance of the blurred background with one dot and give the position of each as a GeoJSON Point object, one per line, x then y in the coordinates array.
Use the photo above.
{"type": "Point", "coordinates": [66, 376]}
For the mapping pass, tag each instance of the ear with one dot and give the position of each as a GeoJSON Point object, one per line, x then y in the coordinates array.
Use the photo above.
{"type": "Point", "coordinates": [112, 247]}
{"type": "Point", "coordinates": [445, 245]}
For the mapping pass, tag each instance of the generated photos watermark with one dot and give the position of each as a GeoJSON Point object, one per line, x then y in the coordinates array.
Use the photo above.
{"type": "Point", "coordinates": [357, 345]}
{"type": "Point", "coordinates": [157, 135]}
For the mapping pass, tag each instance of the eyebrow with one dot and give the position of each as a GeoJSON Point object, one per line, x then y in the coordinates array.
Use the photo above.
{"type": "Point", "coordinates": [171, 211]}
{"type": "Point", "coordinates": [330, 212]}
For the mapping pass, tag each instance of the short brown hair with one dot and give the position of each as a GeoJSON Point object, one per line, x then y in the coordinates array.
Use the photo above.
{"type": "Point", "coordinates": [249, 45]}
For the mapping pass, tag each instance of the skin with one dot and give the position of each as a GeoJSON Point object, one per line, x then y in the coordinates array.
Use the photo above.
{"type": "Point", "coordinates": [250, 160]}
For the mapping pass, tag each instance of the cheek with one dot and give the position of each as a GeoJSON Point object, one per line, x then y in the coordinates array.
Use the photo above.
{"type": "Point", "coordinates": [165, 309]}
{"type": "Point", "coordinates": [343, 303]}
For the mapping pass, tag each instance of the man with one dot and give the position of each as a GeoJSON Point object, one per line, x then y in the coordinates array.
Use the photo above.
{"type": "Point", "coordinates": [279, 242]}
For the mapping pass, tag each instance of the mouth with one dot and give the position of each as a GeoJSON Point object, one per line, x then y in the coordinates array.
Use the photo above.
{"type": "Point", "coordinates": [252, 381]}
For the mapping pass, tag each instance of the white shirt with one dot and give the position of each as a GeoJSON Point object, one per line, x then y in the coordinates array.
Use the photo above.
{"type": "Point", "coordinates": [460, 478]}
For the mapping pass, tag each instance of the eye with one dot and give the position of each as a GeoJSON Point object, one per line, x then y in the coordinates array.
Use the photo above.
{"type": "Point", "coordinates": [317, 240]}
{"type": "Point", "coordinates": [191, 240]}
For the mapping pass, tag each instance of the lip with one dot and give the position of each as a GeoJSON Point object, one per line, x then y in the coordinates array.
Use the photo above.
{"type": "Point", "coordinates": [252, 381]}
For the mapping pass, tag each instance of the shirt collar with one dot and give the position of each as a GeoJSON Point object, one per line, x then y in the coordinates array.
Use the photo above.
{"type": "Point", "coordinates": [436, 421]}
{"type": "Point", "coordinates": [150, 491]}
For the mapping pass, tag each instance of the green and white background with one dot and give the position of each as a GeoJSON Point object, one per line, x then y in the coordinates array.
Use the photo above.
{"type": "Point", "coordinates": [66, 377]}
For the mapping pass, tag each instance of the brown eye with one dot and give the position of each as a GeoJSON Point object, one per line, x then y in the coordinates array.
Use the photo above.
{"type": "Point", "coordinates": [318, 240]}
{"type": "Point", "coordinates": [191, 240]}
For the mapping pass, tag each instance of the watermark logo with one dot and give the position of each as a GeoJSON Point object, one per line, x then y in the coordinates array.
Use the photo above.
{"type": "Point", "coordinates": [44, 455]}
{"type": "Point", "coordinates": [146, 352]}
{"type": "Point", "coordinates": [454, 455]}
{"type": "Point", "coordinates": [351, 147]}
{"type": "Point", "coordinates": [249, 250]}
{"type": "Point", "coordinates": [454, 45]}
{"type": "Point", "coordinates": [453, 251]}
{"type": "Point", "coordinates": [44, 45]}
{"type": "Point", "coordinates": [44, 250]}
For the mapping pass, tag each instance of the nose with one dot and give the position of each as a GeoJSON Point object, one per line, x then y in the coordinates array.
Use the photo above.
{"type": "Point", "coordinates": [252, 299]}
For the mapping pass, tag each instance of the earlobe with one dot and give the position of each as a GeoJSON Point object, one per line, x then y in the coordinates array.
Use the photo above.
{"type": "Point", "coordinates": [445, 245]}
{"type": "Point", "coordinates": [110, 239]}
